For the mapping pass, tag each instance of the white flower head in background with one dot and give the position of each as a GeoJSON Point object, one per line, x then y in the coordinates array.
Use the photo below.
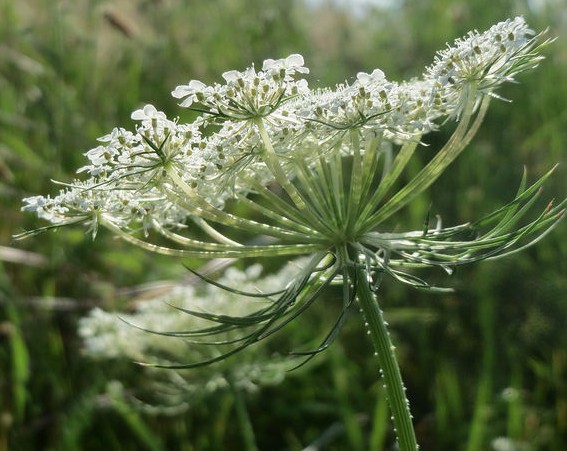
{"type": "Point", "coordinates": [111, 335]}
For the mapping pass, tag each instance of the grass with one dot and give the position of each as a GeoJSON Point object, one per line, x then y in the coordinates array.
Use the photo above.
{"type": "Point", "coordinates": [488, 361]}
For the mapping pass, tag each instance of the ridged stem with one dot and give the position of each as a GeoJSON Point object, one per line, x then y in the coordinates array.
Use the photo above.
{"type": "Point", "coordinates": [389, 368]}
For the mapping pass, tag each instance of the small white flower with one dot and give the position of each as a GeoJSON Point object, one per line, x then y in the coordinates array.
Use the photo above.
{"type": "Point", "coordinates": [285, 68]}
{"type": "Point", "coordinates": [247, 94]}
{"type": "Point", "coordinates": [232, 76]}
{"type": "Point", "coordinates": [483, 61]}
{"type": "Point", "coordinates": [377, 76]}
{"type": "Point", "coordinates": [149, 112]}
{"type": "Point", "coordinates": [194, 92]}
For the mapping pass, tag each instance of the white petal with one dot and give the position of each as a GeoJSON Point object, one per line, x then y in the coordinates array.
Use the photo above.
{"type": "Point", "coordinates": [295, 60]}
{"type": "Point", "coordinates": [269, 64]}
{"type": "Point", "coordinates": [231, 75]}
{"type": "Point", "coordinates": [138, 115]}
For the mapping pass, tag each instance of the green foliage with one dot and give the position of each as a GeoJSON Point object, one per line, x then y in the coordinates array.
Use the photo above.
{"type": "Point", "coordinates": [487, 361]}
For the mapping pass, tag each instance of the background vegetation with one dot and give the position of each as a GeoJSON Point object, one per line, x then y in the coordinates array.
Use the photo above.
{"type": "Point", "coordinates": [485, 362]}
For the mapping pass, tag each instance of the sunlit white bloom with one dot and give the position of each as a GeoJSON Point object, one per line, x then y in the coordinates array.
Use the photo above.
{"type": "Point", "coordinates": [193, 92]}
{"type": "Point", "coordinates": [285, 68]}
{"type": "Point", "coordinates": [264, 129]}
{"type": "Point", "coordinates": [481, 62]}
{"type": "Point", "coordinates": [46, 208]}
{"type": "Point", "coordinates": [377, 76]}
{"type": "Point", "coordinates": [148, 112]}
{"type": "Point", "coordinates": [271, 168]}
{"type": "Point", "coordinates": [247, 94]}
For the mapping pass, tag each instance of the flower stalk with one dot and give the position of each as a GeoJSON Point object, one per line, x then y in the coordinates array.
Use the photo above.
{"type": "Point", "coordinates": [387, 361]}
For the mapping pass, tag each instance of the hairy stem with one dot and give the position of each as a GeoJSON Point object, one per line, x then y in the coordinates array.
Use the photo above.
{"type": "Point", "coordinates": [389, 367]}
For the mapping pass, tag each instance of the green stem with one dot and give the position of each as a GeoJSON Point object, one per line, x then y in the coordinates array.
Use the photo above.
{"type": "Point", "coordinates": [243, 418]}
{"type": "Point", "coordinates": [198, 206]}
{"type": "Point", "coordinates": [484, 396]}
{"type": "Point", "coordinates": [395, 390]}
{"type": "Point", "coordinates": [462, 135]}
{"type": "Point", "coordinates": [271, 160]}
{"type": "Point", "coordinates": [222, 250]}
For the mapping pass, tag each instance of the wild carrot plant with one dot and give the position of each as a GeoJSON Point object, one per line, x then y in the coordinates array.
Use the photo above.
{"type": "Point", "coordinates": [272, 168]}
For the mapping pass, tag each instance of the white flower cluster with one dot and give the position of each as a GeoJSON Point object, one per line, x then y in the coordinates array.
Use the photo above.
{"type": "Point", "coordinates": [484, 60]}
{"type": "Point", "coordinates": [248, 94]}
{"type": "Point", "coordinates": [264, 128]}
{"type": "Point", "coordinates": [116, 335]}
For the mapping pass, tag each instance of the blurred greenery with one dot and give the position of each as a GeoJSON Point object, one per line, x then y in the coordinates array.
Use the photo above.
{"type": "Point", "coordinates": [487, 361]}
